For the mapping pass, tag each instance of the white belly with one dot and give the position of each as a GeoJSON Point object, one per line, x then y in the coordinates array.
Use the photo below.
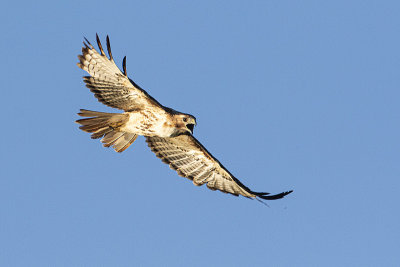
{"type": "Point", "coordinates": [148, 124]}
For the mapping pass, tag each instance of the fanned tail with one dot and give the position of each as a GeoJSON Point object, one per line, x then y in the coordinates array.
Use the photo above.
{"type": "Point", "coordinates": [107, 125]}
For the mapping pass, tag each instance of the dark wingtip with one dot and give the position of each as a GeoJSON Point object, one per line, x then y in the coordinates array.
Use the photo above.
{"type": "Point", "coordinates": [266, 196]}
{"type": "Point", "coordinates": [99, 44]}
{"type": "Point", "coordinates": [109, 48]}
{"type": "Point", "coordinates": [124, 65]}
{"type": "Point", "coordinates": [87, 43]}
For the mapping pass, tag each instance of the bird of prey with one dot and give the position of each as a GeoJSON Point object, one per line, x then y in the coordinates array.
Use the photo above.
{"type": "Point", "coordinates": [168, 133]}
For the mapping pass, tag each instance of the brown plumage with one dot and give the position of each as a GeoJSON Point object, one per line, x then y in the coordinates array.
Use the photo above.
{"type": "Point", "coordinates": [108, 125]}
{"type": "Point", "coordinates": [168, 133]}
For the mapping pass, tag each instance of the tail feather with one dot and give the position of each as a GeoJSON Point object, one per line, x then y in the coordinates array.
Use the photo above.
{"type": "Point", "coordinates": [101, 132]}
{"type": "Point", "coordinates": [109, 139]}
{"type": "Point", "coordinates": [107, 125]}
{"type": "Point", "coordinates": [124, 141]}
{"type": "Point", "coordinates": [90, 113]}
{"type": "Point", "coordinates": [127, 144]}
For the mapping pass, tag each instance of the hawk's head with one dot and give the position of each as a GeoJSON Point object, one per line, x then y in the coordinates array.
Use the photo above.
{"type": "Point", "coordinates": [185, 123]}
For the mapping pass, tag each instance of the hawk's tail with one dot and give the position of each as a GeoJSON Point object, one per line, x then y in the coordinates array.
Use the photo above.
{"type": "Point", "coordinates": [107, 125]}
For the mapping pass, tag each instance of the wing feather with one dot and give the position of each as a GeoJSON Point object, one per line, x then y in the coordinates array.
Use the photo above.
{"type": "Point", "coordinates": [190, 159]}
{"type": "Point", "coordinates": [109, 85]}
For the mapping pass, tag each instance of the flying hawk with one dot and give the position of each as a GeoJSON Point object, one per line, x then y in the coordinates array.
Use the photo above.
{"type": "Point", "coordinates": [168, 133]}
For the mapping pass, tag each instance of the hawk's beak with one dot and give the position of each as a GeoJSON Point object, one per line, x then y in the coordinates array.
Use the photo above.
{"type": "Point", "coordinates": [190, 126]}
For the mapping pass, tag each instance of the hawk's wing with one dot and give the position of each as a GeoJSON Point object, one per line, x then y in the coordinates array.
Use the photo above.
{"type": "Point", "coordinates": [108, 83]}
{"type": "Point", "coordinates": [190, 159]}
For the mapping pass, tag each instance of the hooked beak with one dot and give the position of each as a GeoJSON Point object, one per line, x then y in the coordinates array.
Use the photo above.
{"type": "Point", "coordinates": [190, 126]}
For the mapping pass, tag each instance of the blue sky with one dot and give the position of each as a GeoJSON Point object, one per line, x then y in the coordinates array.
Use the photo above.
{"type": "Point", "coordinates": [300, 95]}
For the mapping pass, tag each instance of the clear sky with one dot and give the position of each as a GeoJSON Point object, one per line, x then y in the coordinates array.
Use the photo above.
{"type": "Point", "coordinates": [300, 95]}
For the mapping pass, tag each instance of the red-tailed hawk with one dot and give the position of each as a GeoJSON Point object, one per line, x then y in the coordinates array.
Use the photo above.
{"type": "Point", "coordinates": [168, 133]}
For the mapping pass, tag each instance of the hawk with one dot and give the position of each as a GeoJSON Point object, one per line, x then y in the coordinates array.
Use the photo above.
{"type": "Point", "coordinates": [168, 133]}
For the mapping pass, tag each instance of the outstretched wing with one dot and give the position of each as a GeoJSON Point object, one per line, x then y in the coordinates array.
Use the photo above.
{"type": "Point", "coordinates": [190, 159]}
{"type": "Point", "coordinates": [108, 83]}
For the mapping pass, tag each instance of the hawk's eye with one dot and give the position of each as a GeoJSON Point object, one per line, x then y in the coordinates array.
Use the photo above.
{"type": "Point", "coordinates": [185, 119]}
